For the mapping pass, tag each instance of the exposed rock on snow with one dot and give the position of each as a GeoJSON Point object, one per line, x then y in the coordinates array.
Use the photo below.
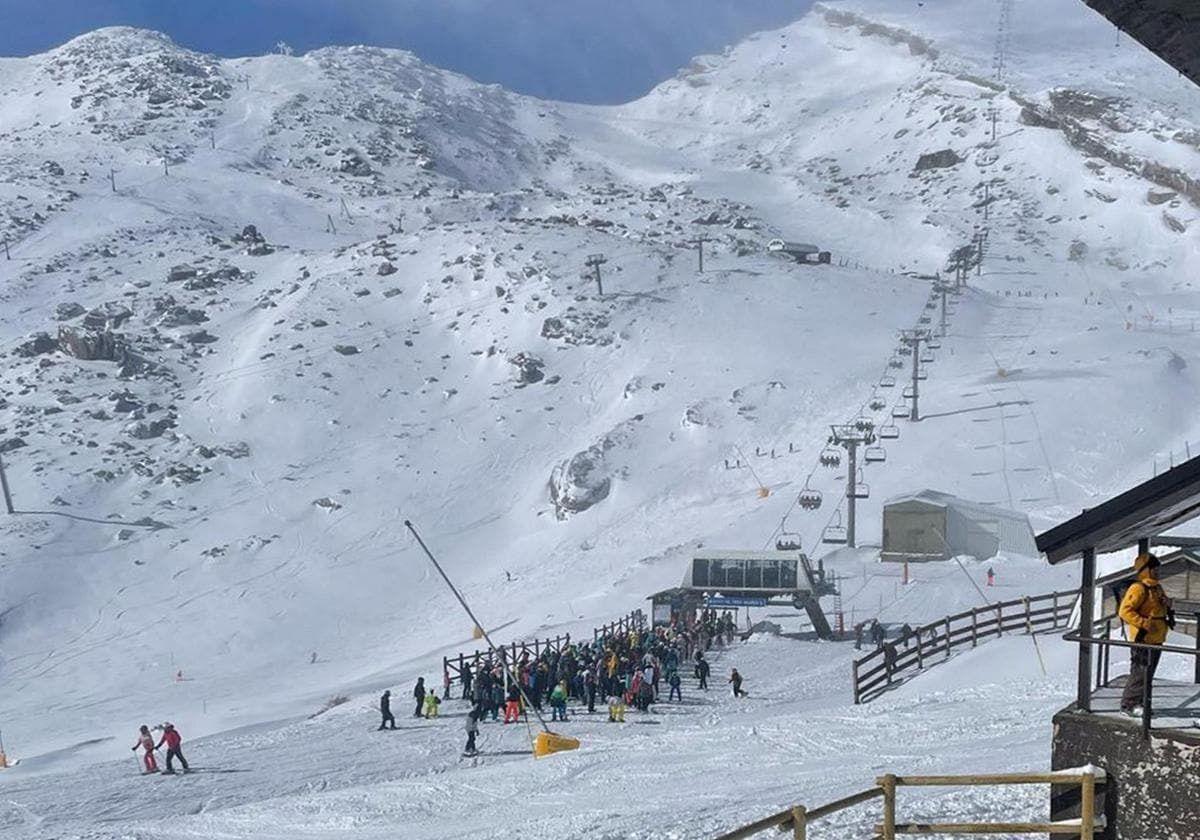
{"type": "Point", "coordinates": [11, 444]}
{"type": "Point", "coordinates": [40, 344]}
{"type": "Point", "coordinates": [67, 311]}
{"type": "Point", "coordinates": [585, 479]}
{"type": "Point", "coordinates": [937, 160]}
{"type": "Point", "coordinates": [530, 369]}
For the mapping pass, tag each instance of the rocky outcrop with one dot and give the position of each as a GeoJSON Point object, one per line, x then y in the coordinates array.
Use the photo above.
{"type": "Point", "coordinates": [40, 344]}
{"type": "Point", "coordinates": [586, 478]}
{"type": "Point", "coordinates": [530, 369]}
{"type": "Point", "coordinates": [942, 159]}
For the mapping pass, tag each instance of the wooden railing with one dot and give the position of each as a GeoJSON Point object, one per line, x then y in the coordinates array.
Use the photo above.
{"type": "Point", "coordinates": [514, 652]}
{"type": "Point", "coordinates": [897, 660]}
{"type": "Point", "coordinates": [798, 818]}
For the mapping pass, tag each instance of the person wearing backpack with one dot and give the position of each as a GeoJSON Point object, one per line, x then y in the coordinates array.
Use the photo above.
{"type": "Point", "coordinates": [1147, 613]}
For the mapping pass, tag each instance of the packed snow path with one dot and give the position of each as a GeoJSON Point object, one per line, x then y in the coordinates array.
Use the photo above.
{"type": "Point", "coordinates": [794, 739]}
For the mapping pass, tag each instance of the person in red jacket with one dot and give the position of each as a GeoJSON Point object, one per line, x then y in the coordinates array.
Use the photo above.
{"type": "Point", "coordinates": [146, 742]}
{"type": "Point", "coordinates": [171, 738]}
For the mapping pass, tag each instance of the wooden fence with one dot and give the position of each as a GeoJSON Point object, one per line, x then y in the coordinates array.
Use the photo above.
{"type": "Point", "coordinates": [898, 660]}
{"type": "Point", "coordinates": [514, 652]}
{"type": "Point", "coordinates": [1091, 821]}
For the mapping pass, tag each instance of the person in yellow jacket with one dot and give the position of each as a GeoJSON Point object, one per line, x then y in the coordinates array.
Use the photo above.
{"type": "Point", "coordinates": [1146, 611]}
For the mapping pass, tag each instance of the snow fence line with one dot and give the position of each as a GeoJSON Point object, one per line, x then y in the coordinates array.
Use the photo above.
{"type": "Point", "coordinates": [896, 661]}
{"type": "Point", "coordinates": [514, 652]}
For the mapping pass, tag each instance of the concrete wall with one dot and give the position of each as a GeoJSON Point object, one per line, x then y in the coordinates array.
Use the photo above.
{"type": "Point", "coordinates": [1153, 790]}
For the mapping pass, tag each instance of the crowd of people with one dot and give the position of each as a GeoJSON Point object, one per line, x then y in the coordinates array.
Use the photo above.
{"type": "Point", "coordinates": [635, 667]}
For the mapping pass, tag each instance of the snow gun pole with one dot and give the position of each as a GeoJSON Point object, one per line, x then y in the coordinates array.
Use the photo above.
{"type": "Point", "coordinates": [463, 602]}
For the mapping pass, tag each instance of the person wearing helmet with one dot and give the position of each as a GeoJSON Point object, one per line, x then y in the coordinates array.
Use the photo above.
{"type": "Point", "coordinates": [1146, 611]}
{"type": "Point", "coordinates": [171, 738]}
{"type": "Point", "coordinates": [146, 742]}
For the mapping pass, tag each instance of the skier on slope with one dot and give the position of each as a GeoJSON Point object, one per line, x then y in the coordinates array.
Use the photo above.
{"type": "Point", "coordinates": [702, 670]}
{"type": "Point", "coordinates": [385, 709]}
{"type": "Point", "coordinates": [512, 708]}
{"type": "Point", "coordinates": [431, 705]}
{"type": "Point", "coordinates": [497, 698]}
{"type": "Point", "coordinates": [419, 695]}
{"type": "Point", "coordinates": [472, 727]}
{"type": "Point", "coordinates": [558, 702]}
{"type": "Point", "coordinates": [736, 679]}
{"type": "Point", "coordinates": [674, 681]}
{"type": "Point", "coordinates": [146, 742]}
{"type": "Point", "coordinates": [172, 739]}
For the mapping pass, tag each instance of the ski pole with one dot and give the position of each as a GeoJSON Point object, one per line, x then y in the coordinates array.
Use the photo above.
{"type": "Point", "coordinates": [412, 529]}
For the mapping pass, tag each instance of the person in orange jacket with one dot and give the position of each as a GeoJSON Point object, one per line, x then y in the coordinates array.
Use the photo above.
{"type": "Point", "coordinates": [1146, 611]}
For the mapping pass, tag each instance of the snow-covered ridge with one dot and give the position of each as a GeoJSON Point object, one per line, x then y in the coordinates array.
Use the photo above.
{"type": "Point", "coordinates": [323, 294]}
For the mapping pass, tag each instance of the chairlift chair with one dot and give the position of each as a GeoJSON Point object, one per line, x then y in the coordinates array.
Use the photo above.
{"type": "Point", "coordinates": [896, 363]}
{"type": "Point", "coordinates": [863, 424]}
{"type": "Point", "coordinates": [835, 534]}
{"type": "Point", "coordinates": [830, 457]}
{"type": "Point", "coordinates": [900, 411]}
{"type": "Point", "coordinates": [810, 499]}
{"type": "Point", "coordinates": [922, 374]}
{"type": "Point", "coordinates": [889, 431]}
{"type": "Point", "coordinates": [927, 357]}
{"type": "Point", "coordinates": [875, 454]}
{"type": "Point", "coordinates": [924, 319]}
{"type": "Point", "coordinates": [787, 542]}
{"type": "Point", "coordinates": [907, 393]}
{"type": "Point", "coordinates": [934, 344]}
{"type": "Point", "coordinates": [887, 381]}
{"type": "Point", "coordinates": [860, 490]}
{"type": "Point", "coordinates": [876, 404]}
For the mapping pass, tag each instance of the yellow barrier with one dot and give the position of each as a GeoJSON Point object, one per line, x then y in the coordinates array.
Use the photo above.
{"type": "Point", "coordinates": [547, 743]}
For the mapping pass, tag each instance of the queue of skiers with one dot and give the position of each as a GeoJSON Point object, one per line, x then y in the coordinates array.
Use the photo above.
{"type": "Point", "coordinates": [170, 739]}
{"type": "Point", "coordinates": [619, 670]}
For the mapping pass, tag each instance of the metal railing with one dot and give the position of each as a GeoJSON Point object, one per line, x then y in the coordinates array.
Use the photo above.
{"type": "Point", "coordinates": [886, 667]}
{"type": "Point", "coordinates": [1106, 643]}
{"type": "Point", "coordinates": [798, 818]}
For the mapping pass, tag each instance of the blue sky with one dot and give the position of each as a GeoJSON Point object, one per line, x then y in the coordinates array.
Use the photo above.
{"type": "Point", "coordinates": [582, 50]}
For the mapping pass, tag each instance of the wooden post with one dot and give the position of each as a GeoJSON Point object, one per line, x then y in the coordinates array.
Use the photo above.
{"type": "Point", "coordinates": [999, 621]}
{"type": "Point", "coordinates": [947, 638]}
{"type": "Point", "coordinates": [974, 628]}
{"type": "Point", "coordinates": [888, 783]}
{"type": "Point", "coordinates": [800, 823]}
{"type": "Point", "coordinates": [920, 652]}
{"type": "Point", "coordinates": [857, 698]}
{"type": "Point", "coordinates": [1087, 806]}
{"type": "Point", "coordinates": [1083, 693]}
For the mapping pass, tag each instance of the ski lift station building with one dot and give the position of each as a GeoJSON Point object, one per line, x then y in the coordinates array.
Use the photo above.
{"type": "Point", "coordinates": [928, 525]}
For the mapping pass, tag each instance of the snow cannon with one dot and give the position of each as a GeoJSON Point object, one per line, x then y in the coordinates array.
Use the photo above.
{"type": "Point", "coordinates": [547, 742]}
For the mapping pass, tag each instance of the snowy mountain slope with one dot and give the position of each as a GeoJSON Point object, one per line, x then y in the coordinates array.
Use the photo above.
{"type": "Point", "coordinates": [409, 332]}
